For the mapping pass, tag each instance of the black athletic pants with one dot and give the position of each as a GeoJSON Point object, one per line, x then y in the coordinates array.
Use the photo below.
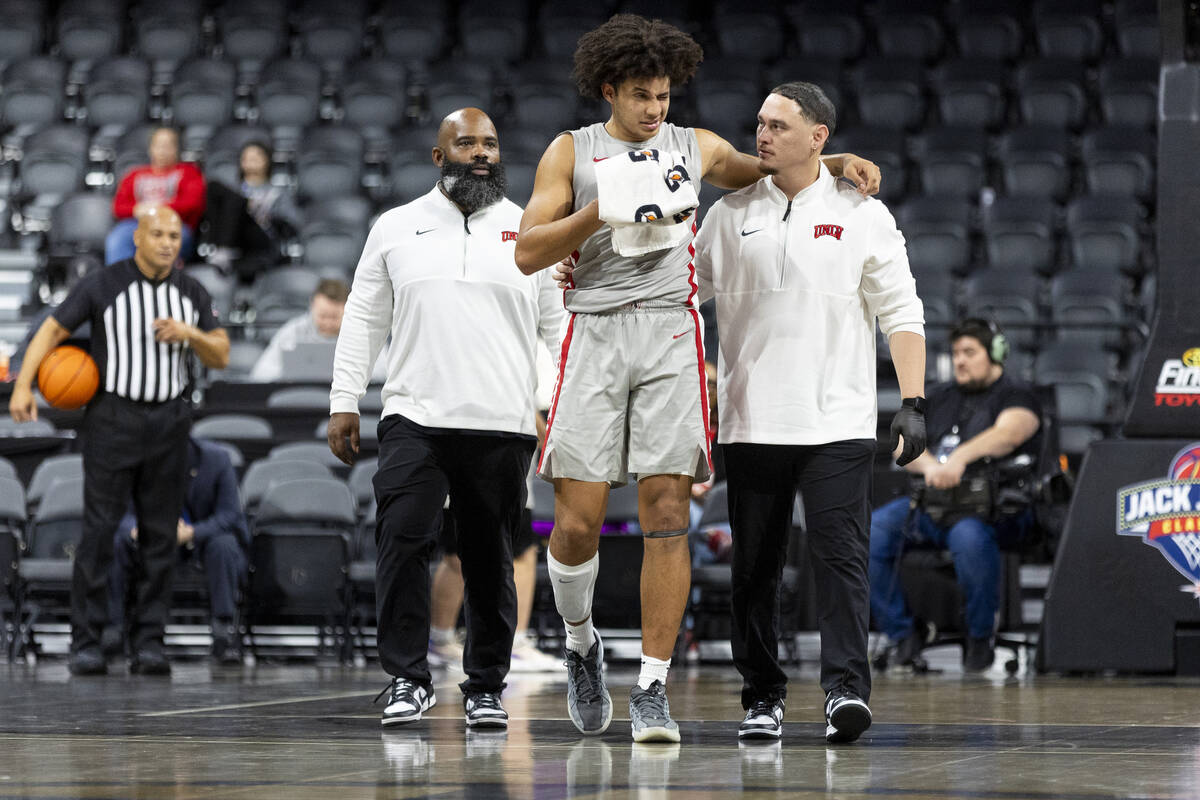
{"type": "Point", "coordinates": [139, 451]}
{"type": "Point", "coordinates": [485, 474]}
{"type": "Point", "coordinates": [835, 482]}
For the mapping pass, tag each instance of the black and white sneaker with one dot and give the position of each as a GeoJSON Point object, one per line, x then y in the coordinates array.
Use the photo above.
{"type": "Point", "coordinates": [484, 710]}
{"type": "Point", "coordinates": [764, 719]}
{"type": "Point", "coordinates": [846, 716]}
{"type": "Point", "coordinates": [407, 700]}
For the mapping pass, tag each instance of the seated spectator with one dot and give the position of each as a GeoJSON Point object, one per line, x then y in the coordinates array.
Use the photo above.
{"type": "Point", "coordinates": [320, 324]}
{"type": "Point", "coordinates": [164, 181]}
{"type": "Point", "coordinates": [213, 537]}
{"type": "Point", "coordinates": [983, 414]}
{"type": "Point", "coordinates": [248, 228]}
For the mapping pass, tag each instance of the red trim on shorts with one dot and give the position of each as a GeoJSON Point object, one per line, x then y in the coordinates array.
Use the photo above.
{"type": "Point", "coordinates": [692, 275]}
{"type": "Point", "coordinates": [562, 369]}
{"type": "Point", "coordinates": [703, 388]}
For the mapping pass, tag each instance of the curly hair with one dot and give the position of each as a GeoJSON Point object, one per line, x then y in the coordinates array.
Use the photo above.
{"type": "Point", "coordinates": [630, 46]}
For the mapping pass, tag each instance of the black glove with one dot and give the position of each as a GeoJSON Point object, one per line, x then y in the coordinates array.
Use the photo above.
{"type": "Point", "coordinates": [909, 422]}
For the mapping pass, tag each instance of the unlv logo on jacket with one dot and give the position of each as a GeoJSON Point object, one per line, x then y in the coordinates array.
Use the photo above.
{"type": "Point", "coordinates": [827, 230]}
{"type": "Point", "coordinates": [508, 236]}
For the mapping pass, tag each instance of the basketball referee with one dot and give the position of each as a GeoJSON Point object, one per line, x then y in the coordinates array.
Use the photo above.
{"type": "Point", "coordinates": [146, 319]}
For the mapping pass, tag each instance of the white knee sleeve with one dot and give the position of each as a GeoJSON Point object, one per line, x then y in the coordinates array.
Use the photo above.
{"type": "Point", "coordinates": [573, 587]}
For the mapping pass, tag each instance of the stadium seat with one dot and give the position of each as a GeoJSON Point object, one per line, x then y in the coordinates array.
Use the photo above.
{"type": "Point", "coordinates": [938, 294]}
{"type": "Point", "coordinates": [548, 105]}
{"type": "Point", "coordinates": [1068, 28]}
{"type": "Point", "coordinates": [330, 33]}
{"type": "Point", "coordinates": [243, 355]}
{"type": "Point", "coordinates": [54, 161]}
{"type": "Point", "coordinates": [889, 93]}
{"type": "Point", "coordinates": [57, 519]}
{"type": "Point", "coordinates": [52, 468]}
{"type": "Point", "coordinates": [754, 34]}
{"type": "Point", "coordinates": [1129, 92]}
{"type": "Point", "coordinates": [219, 286]}
{"type": "Point", "coordinates": [1089, 297]}
{"type": "Point", "coordinates": [263, 473]}
{"type": "Point", "coordinates": [360, 482]}
{"type": "Point", "coordinates": [493, 31]}
{"type": "Point", "coordinates": [203, 93]}
{"type": "Point", "coordinates": [937, 232]}
{"type": "Point", "coordinates": [12, 538]}
{"type": "Point", "coordinates": [824, 73]}
{"type": "Point", "coordinates": [288, 93]}
{"type": "Point", "coordinates": [1119, 160]}
{"type": "Point", "coordinates": [352, 210]}
{"type": "Point", "coordinates": [300, 557]}
{"type": "Point", "coordinates": [412, 33]}
{"type": "Point", "coordinates": [728, 97]}
{"type": "Point", "coordinates": [988, 29]}
{"type": "Point", "coordinates": [289, 285]}
{"type": "Point", "coordinates": [79, 224]}
{"type": "Point", "coordinates": [1050, 91]}
{"type": "Point", "coordinates": [375, 93]}
{"type": "Point", "coordinates": [1080, 375]}
{"type": "Point", "coordinates": [413, 175]}
{"type": "Point", "coordinates": [233, 428]}
{"type": "Point", "coordinates": [332, 244]}
{"type": "Point", "coordinates": [560, 25]}
{"type": "Point", "coordinates": [1019, 234]}
{"type": "Point", "coordinates": [33, 91]}
{"type": "Point", "coordinates": [87, 31]}
{"type": "Point", "coordinates": [971, 92]}
{"type": "Point", "coordinates": [21, 34]}
{"type": "Point", "coordinates": [1035, 161]}
{"type": "Point", "coordinates": [310, 451]}
{"type": "Point", "coordinates": [330, 162]}
{"type": "Point", "coordinates": [167, 32]}
{"type": "Point", "coordinates": [249, 34]}
{"type": "Point", "coordinates": [1011, 299]}
{"type": "Point", "coordinates": [951, 160]}
{"type": "Point", "coordinates": [826, 33]}
{"type": "Point", "coordinates": [1137, 28]}
{"type": "Point", "coordinates": [1104, 232]}
{"type": "Point", "coordinates": [116, 92]}
{"type": "Point", "coordinates": [885, 147]}
{"type": "Point", "coordinates": [910, 29]}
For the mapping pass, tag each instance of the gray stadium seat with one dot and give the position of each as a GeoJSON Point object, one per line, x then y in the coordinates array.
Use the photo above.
{"type": "Point", "coordinates": [1019, 233]}
{"type": "Point", "coordinates": [54, 161]}
{"type": "Point", "coordinates": [1011, 299]}
{"type": "Point", "coordinates": [116, 92]}
{"type": "Point", "coordinates": [1104, 232]}
{"type": "Point", "coordinates": [889, 92]}
{"type": "Point", "coordinates": [51, 469]}
{"type": "Point", "coordinates": [951, 160]}
{"type": "Point", "coordinates": [910, 29]}
{"type": "Point", "coordinates": [80, 223]}
{"type": "Point", "coordinates": [886, 147]}
{"type": "Point", "coordinates": [288, 93]}
{"type": "Point", "coordinates": [331, 33]}
{"type": "Point", "coordinates": [828, 33]}
{"type": "Point", "coordinates": [1129, 92]}
{"type": "Point", "coordinates": [375, 93]}
{"type": "Point", "coordinates": [972, 92]}
{"type": "Point", "coordinates": [236, 427]}
{"type": "Point", "coordinates": [251, 34]}
{"type": "Point", "coordinates": [411, 33]}
{"type": "Point", "coordinates": [1068, 28]}
{"type": "Point", "coordinates": [89, 30]}
{"type": "Point", "coordinates": [1119, 160]}
{"type": "Point", "coordinates": [21, 34]}
{"type": "Point", "coordinates": [1035, 161]}
{"type": "Point", "coordinates": [1089, 297]}
{"type": "Point", "coordinates": [937, 232]}
{"type": "Point", "coordinates": [754, 33]}
{"type": "Point", "coordinates": [263, 473]}
{"type": "Point", "coordinates": [1050, 91]}
{"type": "Point", "coordinates": [989, 29]}
{"type": "Point", "coordinates": [33, 91]}
{"type": "Point", "coordinates": [203, 93]}
{"type": "Point", "coordinates": [167, 32]}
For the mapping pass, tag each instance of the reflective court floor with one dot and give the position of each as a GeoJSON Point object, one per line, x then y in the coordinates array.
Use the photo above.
{"type": "Point", "coordinates": [304, 731]}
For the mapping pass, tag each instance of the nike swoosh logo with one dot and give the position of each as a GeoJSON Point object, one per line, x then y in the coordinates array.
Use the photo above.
{"type": "Point", "coordinates": [427, 230]}
{"type": "Point", "coordinates": [602, 158]}
{"type": "Point", "coordinates": [747, 233]}
{"type": "Point", "coordinates": [676, 336]}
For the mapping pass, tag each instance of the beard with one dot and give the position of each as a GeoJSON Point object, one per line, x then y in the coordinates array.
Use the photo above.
{"type": "Point", "coordinates": [470, 191]}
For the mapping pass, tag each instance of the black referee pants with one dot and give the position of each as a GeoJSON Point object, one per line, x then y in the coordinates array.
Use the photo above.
{"type": "Point", "coordinates": [485, 474]}
{"type": "Point", "coordinates": [835, 482]}
{"type": "Point", "coordinates": [139, 451]}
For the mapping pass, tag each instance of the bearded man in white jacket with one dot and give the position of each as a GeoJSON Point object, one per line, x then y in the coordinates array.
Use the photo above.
{"type": "Point", "coordinates": [802, 266]}
{"type": "Point", "coordinates": [458, 409]}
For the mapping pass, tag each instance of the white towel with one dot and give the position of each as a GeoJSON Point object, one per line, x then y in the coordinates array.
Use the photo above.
{"type": "Point", "coordinates": [647, 197]}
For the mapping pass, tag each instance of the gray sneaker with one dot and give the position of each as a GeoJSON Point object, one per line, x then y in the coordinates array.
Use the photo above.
{"type": "Point", "coordinates": [588, 702]}
{"type": "Point", "coordinates": [650, 715]}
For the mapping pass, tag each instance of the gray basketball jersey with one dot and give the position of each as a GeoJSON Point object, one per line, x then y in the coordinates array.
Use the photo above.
{"type": "Point", "coordinates": [605, 280]}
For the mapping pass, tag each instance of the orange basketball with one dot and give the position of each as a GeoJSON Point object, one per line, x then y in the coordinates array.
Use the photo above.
{"type": "Point", "coordinates": [68, 377]}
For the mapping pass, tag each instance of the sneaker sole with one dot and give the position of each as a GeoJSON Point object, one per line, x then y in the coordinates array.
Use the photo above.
{"type": "Point", "coordinates": [760, 733]}
{"type": "Point", "coordinates": [847, 724]}
{"type": "Point", "coordinates": [492, 722]}
{"type": "Point", "coordinates": [656, 734]}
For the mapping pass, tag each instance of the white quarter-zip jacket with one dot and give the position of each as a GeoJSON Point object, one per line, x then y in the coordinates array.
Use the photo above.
{"type": "Point", "coordinates": [799, 286]}
{"type": "Point", "coordinates": [464, 320]}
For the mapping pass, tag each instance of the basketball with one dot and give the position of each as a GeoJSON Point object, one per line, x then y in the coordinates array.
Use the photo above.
{"type": "Point", "coordinates": [68, 377]}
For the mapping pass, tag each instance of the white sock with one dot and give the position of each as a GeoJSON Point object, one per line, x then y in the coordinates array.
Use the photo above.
{"type": "Point", "coordinates": [441, 635]}
{"type": "Point", "coordinates": [653, 669]}
{"type": "Point", "coordinates": [573, 587]}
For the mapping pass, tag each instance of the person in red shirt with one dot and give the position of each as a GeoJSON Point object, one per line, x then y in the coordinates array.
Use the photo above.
{"type": "Point", "coordinates": [164, 181]}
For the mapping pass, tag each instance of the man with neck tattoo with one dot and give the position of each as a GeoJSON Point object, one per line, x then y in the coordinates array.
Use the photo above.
{"type": "Point", "coordinates": [458, 409]}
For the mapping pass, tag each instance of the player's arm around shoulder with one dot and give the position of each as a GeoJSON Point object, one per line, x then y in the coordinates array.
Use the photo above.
{"type": "Point", "coordinates": [722, 165]}
{"type": "Point", "coordinates": [551, 227]}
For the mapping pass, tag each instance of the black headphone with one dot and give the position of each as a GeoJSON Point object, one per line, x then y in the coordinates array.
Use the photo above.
{"type": "Point", "coordinates": [995, 343]}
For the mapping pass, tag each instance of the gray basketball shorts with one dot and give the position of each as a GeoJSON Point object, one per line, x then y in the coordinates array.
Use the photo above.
{"type": "Point", "coordinates": [631, 397]}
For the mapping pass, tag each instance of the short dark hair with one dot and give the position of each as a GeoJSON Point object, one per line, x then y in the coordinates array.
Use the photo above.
{"type": "Point", "coordinates": [334, 289]}
{"type": "Point", "coordinates": [154, 132]}
{"type": "Point", "coordinates": [815, 105]}
{"type": "Point", "coordinates": [630, 46]}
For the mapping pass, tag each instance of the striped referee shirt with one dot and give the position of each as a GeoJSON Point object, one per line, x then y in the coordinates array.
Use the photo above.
{"type": "Point", "coordinates": [122, 304]}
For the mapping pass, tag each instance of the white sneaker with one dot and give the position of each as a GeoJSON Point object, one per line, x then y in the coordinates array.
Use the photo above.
{"type": "Point", "coordinates": [527, 658]}
{"type": "Point", "coordinates": [407, 700]}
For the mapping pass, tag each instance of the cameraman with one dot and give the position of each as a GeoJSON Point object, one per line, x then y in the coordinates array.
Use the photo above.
{"type": "Point", "coordinates": [983, 414]}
